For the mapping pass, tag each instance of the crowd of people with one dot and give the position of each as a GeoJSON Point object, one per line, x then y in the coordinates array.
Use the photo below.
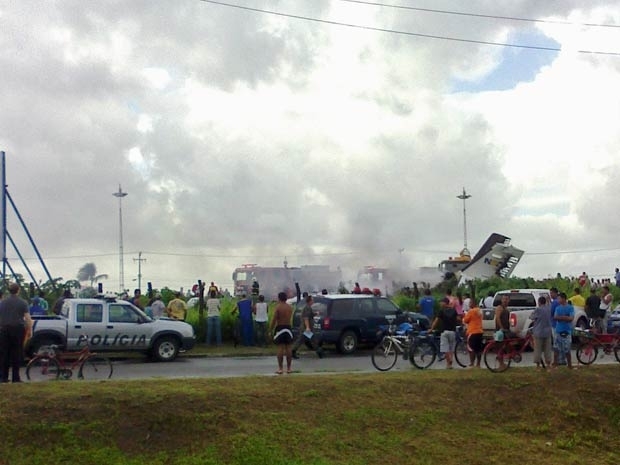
{"type": "Point", "coordinates": [552, 321]}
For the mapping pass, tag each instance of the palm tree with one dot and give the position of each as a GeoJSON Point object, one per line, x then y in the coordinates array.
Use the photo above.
{"type": "Point", "coordinates": [88, 272]}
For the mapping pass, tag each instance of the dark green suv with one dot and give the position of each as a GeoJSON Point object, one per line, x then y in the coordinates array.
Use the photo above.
{"type": "Point", "coordinates": [348, 320]}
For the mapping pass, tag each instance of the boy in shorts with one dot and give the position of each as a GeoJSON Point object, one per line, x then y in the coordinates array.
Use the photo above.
{"type": "Point", "coordinates": [563, 317]}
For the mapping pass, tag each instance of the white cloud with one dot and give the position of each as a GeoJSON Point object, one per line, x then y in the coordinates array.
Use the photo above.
{"type": "Point", "coordinates": [157, 78]}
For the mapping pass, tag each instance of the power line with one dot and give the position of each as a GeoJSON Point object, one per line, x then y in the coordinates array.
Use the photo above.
{"type": "Point", "coordinates": [326, 254]}
{"type": "Point", "coordinates": [574, 251]}
{"type": "Point", "coordinates": [406, 33]}
{"type": "Point", "coordinates": [477, 15]}
{"type": "Point", "coordinates": [198, 255]}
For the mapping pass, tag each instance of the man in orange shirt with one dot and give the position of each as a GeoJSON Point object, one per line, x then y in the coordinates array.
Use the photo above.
{"type": "Point", "coordinates": [475, 341]}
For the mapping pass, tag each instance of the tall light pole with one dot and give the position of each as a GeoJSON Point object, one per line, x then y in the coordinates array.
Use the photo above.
{"type": "Point", "coordinates": [121, 266]}
{"type": "Point", "coordinates": [464, 196]}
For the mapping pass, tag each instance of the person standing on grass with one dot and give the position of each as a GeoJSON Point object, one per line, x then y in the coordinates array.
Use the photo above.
{"type": "Point", "coordinates": [604, 308]}
{"type": "Point", "coordinates": [448, 317]}
{"type": "Point", "coordinates": [246, 324]}
{"type": "Point", "coordinates": [282, 335]}
{"type": "Point", "coordinates": [488, 300]}
{"type": "Point", "coordinates": [157, 307]}
{"type": "Point", "coordinates": [15, 321]}
{"type": "Point", "coordinates": [541, 330]}
{"type": "Point", "coordinates": [36, 308]}
{"type": "Point", "coordinates": [177, 308]}
{"type": "Point", "coordinates": [564, 314]}
{"type": "Point", "coordinates": [593, 302]}
{"type": "Point", "coordinates": [427, 305]}
{"type": "Point", "coordinates": [502, 316]}
{"type": "Point", "coordinates": [214, 324]}
{"type": "Point", "coordinates": [468, 303]}
{"type": "Point", "coordinates": [43, 302]}
{"type": "Point", "coordinates": [578, 300]}
{"type": "Point", "coordinates": [261, 317]}
{"type": "Point", "coordinates": [137, 299]}
{"type": "Point", "coordinates": [475, 340]}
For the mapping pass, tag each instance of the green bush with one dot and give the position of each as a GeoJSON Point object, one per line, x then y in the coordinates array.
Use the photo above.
{"type": "Point", "coordinates": [405, 303]}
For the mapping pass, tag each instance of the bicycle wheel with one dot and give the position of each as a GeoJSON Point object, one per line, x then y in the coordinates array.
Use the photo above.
{"type": "Point", "coordinates": [497, 357]}
{"type": "Point", "coordinates": [617, 352]}
{"type": "Point", "coordinates": [422, 354]}
{"type": "Point", "coordinates": [587, 353]}
{"type": "Point", "coordinates": [96, 367]}
{"type": "Point", "coordinates": [42, 368]}
{"type": "Point", "coordinates": [384, 355]}
{"type": "Point", "coordinates": [461, 354]}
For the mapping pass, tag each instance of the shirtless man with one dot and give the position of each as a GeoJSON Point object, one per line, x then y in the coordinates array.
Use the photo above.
{"type": "Point", "coordinates": [283, 337]}
{"type": "Point", "coordinates": [502, 317]}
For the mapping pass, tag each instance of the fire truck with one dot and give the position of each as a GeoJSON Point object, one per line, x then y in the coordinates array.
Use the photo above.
{"type": "Point", "coordinates": [375, 277]}
{"type": "Point", "coordinates": [273, 280]}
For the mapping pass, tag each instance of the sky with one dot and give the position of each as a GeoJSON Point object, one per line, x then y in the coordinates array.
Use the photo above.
{"type": "Point", "coordinates": [243, 136]}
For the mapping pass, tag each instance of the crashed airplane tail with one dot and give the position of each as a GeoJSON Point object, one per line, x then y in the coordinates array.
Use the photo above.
{"type": "Point", "coordinates": [496, 257]}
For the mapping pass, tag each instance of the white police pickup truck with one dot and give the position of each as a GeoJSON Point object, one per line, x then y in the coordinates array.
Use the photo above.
{"type": "Point", "coordinates": [111, 325]}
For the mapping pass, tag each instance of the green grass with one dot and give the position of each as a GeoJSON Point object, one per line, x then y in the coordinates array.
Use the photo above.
{"type": "Point", "coordinates": [416, 417]}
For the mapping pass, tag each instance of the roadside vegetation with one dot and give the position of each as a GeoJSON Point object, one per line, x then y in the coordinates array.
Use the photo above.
{"type": "Point", "coordinates": [421, 417]}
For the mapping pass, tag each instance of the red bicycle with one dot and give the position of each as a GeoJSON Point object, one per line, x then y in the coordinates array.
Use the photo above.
{"type": "Point", "coordinates": [498, 355]}
{"type": "Point", "coordinates": [591, 342]}
{"type": "Point", "coordinates": [51, 363]}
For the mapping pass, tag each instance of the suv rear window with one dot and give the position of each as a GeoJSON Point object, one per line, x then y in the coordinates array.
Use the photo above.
{"type": "Point", "coordinates": [343, 308]}
{"type": "Point", "coordinates": [517, 299]}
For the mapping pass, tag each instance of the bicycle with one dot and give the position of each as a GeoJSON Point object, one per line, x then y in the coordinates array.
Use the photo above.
{"type": "Point", "coordinates": [425, 349]}
{"type": "Point", "coordinates": [394, 342]}
{"type": "Point", "coordinates": [591, 342]}
{"type": "Point", "coordinates": [498, 355]}
{"type": "Point", "coordinates": [50, 363]}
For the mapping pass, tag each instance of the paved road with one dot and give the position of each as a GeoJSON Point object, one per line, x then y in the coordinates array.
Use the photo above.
{"type": "Point", "coordinates": [226, 367]}
{"type": "Point", "coordinates": [221, 367]}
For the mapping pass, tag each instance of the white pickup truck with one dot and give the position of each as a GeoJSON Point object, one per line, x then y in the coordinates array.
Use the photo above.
{"type": "Point", "coordinates": [521, 305]}
{"type": "Point", "coordinates": [111, 325]}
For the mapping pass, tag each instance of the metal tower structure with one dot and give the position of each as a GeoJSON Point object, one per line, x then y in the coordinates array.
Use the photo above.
{"type": "Point", "coordinates": [5, 233]}
{"type": "Point", "coordinates": [121, 262]}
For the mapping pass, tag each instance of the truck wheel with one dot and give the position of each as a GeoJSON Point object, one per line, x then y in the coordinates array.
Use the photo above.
{"type": "Point", "coordinates": [165, 349]}
{"type": "Point", "coordinates": [347, 344]}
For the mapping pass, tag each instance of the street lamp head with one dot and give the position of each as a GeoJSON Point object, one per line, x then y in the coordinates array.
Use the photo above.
{"type": "Point", "coordinates": [120, 192]}
{"type": "Point", "coordinates": [464, 195]}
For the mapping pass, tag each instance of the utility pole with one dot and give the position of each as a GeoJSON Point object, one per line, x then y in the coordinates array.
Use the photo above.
{"type": "Point", "coordinates": [464, 196]}
{"type": "Point", "coordinates": [139, 260]}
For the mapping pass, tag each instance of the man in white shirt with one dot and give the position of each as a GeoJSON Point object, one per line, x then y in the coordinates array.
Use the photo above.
{"type": "Point", "coordinates": [261, 317]}
{"type": "Point", "coordinates": [466, 302]}
{"type": "Point", "coordinates": [488, 300]}
{"type": "Point", "coordinates": [214, 325]}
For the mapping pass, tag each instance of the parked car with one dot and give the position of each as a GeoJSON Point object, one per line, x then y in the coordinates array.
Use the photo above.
{"type": "Point", "coordinates": [349, 320]}
{"type": "Point", "coordinates": [521, 304]}
{"type": "Point", "coordinates": [613, 322]}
